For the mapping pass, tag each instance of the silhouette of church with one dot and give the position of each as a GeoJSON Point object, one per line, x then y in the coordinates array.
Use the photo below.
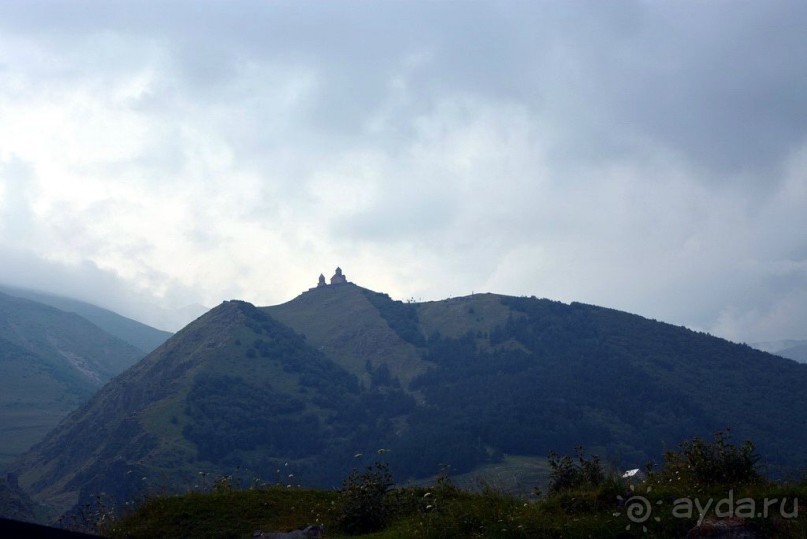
{"type": "Point", "coordinates": [338, 278]}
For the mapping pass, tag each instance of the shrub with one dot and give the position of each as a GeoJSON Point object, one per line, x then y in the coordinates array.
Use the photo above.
{"type": "Point", "coordinates": [364, 506]}
{"type": "Point", "coordinates": [566, 474]}
{"type": "Point", "coordinates": [720, 462]}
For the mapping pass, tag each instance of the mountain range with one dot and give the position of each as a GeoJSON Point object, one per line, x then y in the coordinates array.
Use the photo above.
{"type": "Point", "coordinates": [791, 349]}
{"type": "Point", "coordinates": [796, 352]}
{"type": "Point", "coordinates": [54, 359]}
{"type": "Point", "coordinates": [301, 392]}
{"type": "Point", "coordinates": [144, 338]}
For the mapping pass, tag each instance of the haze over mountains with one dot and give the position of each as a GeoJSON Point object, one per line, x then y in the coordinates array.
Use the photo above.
{"type": "Point", "coordinates": [143, 337]}
{"type": "Point", "coordinates": [791, 349]}
{"type": "Point", "coordinates": [292, 393]}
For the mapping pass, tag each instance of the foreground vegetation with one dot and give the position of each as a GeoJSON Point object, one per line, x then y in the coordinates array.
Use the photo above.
{"type": "Point", "coordinates": [582, 500]}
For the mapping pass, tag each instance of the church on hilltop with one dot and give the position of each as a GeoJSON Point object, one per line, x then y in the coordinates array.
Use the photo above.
{"type": "Point", "coordinates": [338, 278]}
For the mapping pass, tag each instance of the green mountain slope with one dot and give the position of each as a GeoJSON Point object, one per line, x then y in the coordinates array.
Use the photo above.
{"type": "Point", "coordinates": [555, 376]}
{"type": "Point", "coordinates": [233, 390]}
{"type": "Point", "coordinates": [34, 397]}
{"type": "Point", "coordinates": [290, 393]}
{"type": "Point", "coordinates": [50, 361]}
{"type": "Point", "coordinates": [143, 337]}
{"type": "Point", "coordinates": [346, 324]}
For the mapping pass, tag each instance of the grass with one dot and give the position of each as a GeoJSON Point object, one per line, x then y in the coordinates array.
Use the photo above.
{"type": "Point", "coordinates": [455, 317]}
{"type": "Point", "coordinates": [332, 317]}
{"type": "Point", "coordinates": [226, 513]}
{"type": "Point", "coordinates": [516, 475]}
{"type": "Point", "coordinates": [34, 396]}
{"type": "Point", "coordinates": [444, 511]}
{"type": "Point", "coordinates": [20, 429]}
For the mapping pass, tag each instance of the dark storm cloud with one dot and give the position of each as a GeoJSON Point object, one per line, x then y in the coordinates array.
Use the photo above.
{"type": "Point", "coordinates": [721, 82]}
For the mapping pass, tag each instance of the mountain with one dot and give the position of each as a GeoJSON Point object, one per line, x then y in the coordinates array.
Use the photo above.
{"type": "Point", "coordinates": [14, 503]}
{"type": "Point", "coordinates": [791, 349]}
{"type": "Point", "coordinates": [796, 352]}
{"type": "Point", "coordinates": [291, 393]}
{"type": "Point", "coordinates": [352, 326]}
{"type": "Point", "coordinates": [234, 388]}
{"type": "Point", "coordinates": [526, 375]}
{"type": "Point", "coordinates": [141, 336]}
{"type": "Point", "coordinates": [51, 361]}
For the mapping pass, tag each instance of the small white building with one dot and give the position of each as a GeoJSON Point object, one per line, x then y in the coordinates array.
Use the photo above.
{"type": "Point", "coordinates": [634, 475]}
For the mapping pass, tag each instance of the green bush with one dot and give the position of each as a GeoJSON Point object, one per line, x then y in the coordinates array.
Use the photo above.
{"type": "Point", "coordinates": [700, 463]}
{"type": "Point", "coordinates": [568, 473]}
{"type": "Point", "coordinates": [364, 507]}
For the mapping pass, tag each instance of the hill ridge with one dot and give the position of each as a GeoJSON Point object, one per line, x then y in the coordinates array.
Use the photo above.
{"type": "Point", "coordinates": [343, 370]}
{"type": "Point", "coordinates": [139, 335]}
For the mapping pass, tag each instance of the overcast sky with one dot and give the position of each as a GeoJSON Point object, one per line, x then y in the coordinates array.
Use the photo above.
{"type": "Point", "coordinates": [646, 156]}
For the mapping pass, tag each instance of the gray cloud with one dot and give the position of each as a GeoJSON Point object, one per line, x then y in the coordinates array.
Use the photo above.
{"type": "Point", "coordinates": [645, 156]}
{"type": "Point", "coordinates": [90, 283]}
